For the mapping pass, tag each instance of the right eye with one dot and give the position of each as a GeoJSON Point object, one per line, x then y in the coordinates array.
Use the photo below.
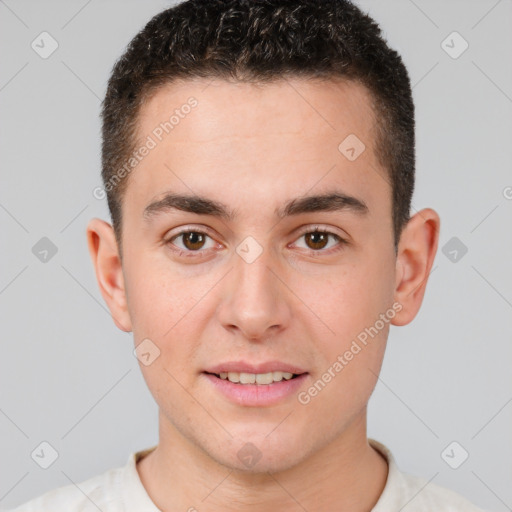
{"type": "Point", "coordinates": [190, 242]}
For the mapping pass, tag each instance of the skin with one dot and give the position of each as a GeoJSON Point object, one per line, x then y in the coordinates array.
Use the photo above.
{"type": "Point", "coordinates": [253, 149]}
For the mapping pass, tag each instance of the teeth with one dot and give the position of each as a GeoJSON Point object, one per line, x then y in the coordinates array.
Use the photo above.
{"type": "Point", "coordinates": [233, 377]}
{"type": "Point", "coordinates": [247, 378]}
{"type": "Point", "coordinates": [255, 378]}
{"type": "Point", "coordinates": [277, 376]}
{"type": "Point", "coordinates": [264, 378]}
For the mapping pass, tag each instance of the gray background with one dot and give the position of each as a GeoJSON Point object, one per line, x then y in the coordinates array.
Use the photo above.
{"type": "Point", "coordinates": [68, 375]}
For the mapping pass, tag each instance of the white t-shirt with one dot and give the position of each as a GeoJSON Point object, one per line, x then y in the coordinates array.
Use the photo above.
{"type": "Point", "coordinates": [121, 490]}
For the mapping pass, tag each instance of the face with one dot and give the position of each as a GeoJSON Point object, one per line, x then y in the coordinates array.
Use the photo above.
{"type": "Point", "coordinates": [240, 282]}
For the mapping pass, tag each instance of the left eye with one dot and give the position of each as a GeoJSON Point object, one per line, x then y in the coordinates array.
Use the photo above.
{"type": "Point", "coordinates": [318, 240]}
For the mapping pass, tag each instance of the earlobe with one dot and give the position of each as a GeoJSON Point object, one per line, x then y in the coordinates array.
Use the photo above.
{"type": "Point", "coordinates": [416, 253]}
{"type": "Point", "coordinates": [109, 273]}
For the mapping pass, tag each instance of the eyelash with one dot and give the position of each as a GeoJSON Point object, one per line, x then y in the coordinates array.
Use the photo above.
{"type": "Point", "coordinates": [316, 229]}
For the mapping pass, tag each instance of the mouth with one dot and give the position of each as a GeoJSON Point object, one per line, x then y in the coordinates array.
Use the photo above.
{"type": "Point", "coordinates": [261, 379]}
{"type": "Point", "coordinates": [251, 385]}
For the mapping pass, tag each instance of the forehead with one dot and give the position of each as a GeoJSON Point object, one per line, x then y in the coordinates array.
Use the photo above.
{"type": "Point", "coordinates": [213, 137]}
{"type": "Point", "coordinates": [285, 106]}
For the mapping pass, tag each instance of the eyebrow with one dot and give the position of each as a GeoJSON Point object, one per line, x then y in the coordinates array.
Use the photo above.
{"type": "Point", "coordinates": [330, 201]}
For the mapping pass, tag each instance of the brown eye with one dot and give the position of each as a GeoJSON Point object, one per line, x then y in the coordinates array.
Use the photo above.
{"type": "Point", "coordinates": [316, 239]}
{"type": "Point", "coordinates": [193, 240]}
{"type": "Point", "coordinates": [320, 242]}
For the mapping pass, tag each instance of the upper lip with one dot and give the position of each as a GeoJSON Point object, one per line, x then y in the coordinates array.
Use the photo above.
{"type": "Point", "coordinates": [244, 367]}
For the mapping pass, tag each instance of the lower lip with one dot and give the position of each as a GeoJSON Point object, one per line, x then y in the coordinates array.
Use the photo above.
{"type": "Point", "coordinates": [257, 395]}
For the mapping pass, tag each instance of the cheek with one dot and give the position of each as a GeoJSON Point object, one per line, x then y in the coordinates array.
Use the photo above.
{"type": "Point", "coordinates": [158, 300]}
{"type": "Point", "coordinates": [346, 380]}
{"type": "Point", "coordinates": [347, 299]}
{"type": "Point", "coordinates": [356, 304]}
{"type": "Point", "coordinates": [361, 320]}
{"type": "Point", "coordinates": [159, 316]}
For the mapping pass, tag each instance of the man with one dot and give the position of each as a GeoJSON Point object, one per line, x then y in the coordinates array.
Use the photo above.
{"type": "Point", "coordinates": [258, 160]}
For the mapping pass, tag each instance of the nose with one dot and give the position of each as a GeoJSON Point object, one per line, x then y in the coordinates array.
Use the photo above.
{"type": "Point", "coordinates": [255, 303]}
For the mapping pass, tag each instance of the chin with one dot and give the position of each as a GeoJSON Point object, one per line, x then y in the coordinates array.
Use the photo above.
{"type": "Point", "coordinates": [260, 453]}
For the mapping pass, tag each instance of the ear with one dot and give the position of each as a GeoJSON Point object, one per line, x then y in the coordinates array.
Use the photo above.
{"type": "Point", "coordinates": [416, 251]}
{"type": "Point", "coordinates": [109, 273]}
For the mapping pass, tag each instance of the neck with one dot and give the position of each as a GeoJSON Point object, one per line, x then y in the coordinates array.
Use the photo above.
{"type": "Point", "coordinates": [346, 474]}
